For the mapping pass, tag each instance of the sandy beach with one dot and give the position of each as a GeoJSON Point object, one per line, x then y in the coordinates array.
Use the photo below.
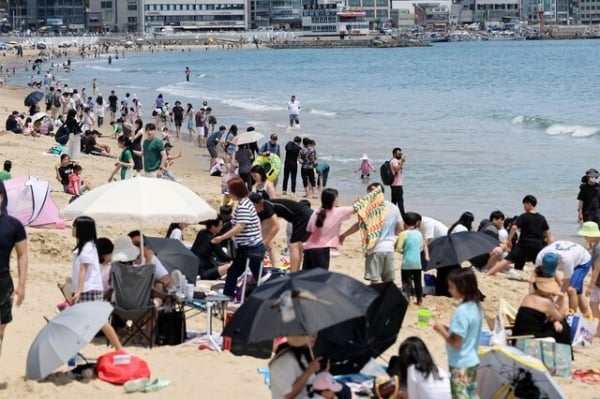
{"type": "Point", "coordinates": [193, 372]}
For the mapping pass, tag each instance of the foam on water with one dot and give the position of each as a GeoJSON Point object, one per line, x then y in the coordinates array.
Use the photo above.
{"type": "Point", "coordinates": [532, 121]}
{"type": "Point", "coordinates": [104, 69]}
{"type": "Point", "coordinates": [323, 113]}
{"type": "Point", "coordinates": [571, 130]}
{"type": "Point", "coordinates": [250, 105]}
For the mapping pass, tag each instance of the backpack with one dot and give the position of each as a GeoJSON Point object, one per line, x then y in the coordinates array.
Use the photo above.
{"type": "Point", "coordinates": [387, 174]}
{"type": "Point", "coordinates": [56, 100]}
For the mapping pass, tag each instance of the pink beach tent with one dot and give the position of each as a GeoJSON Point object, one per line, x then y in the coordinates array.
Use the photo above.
{"type": "Point", "coordinates": [29, 201]}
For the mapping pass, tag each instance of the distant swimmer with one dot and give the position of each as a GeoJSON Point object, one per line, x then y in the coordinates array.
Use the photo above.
{"type": "Point", "coordinates": [109, 59]}
{"type": "Point", "coordinates": [187, 73]}
{"type": "Point", "coordinates": [293, 111]}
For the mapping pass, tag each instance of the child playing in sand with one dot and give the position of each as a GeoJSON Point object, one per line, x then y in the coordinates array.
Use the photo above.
{"type": "Point", "coordinates": [410, 244]}
{"type": "Point", "coordinates": [462, 336]}
{"type": "Point", "coordinates": [5, 174]}
{"type": "Point", "coordinates": [366, 167]}
{"type": "Point", "coordinates": [76, 186]}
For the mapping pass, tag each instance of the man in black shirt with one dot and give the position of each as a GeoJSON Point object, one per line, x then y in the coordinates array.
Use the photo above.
{"type": "Point", "coordinates": [295, 213]}
{"type": "Point", "coordinates": [64, 170]}
{"type": "Point", "coordinates": [113, 101]}
{"type": "Point", "coordinates": [290, 167]}
{"type": "Point", "coordinates": [214, 262]}
{"type": "Point", "coordinates": [534, 235]}
{"type": "Point", "coordinates": [177, 117]}
{"type": "Point", "coordinates": [12, 235]}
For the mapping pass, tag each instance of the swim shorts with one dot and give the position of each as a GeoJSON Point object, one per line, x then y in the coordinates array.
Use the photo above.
{"type": "Point", "coordinates": [578, 276]}
{"type": "Point", "coordinates": [6, 290]}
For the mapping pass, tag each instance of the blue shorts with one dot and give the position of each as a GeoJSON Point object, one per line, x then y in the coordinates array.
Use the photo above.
{"type": "Point", "coordinates": [578, 276]}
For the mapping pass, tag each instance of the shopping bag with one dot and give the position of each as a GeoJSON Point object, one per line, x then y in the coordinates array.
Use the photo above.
{"type": "Point", "coordinates": [498, 333]}
{"type": "Point", "coordinates": [584, 331]}
{"type": "Point", "coordinates": [556, 357]}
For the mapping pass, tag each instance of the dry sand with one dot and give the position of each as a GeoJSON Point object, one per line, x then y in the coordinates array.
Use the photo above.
{"type": "Point", "coordinates": [193, 372]}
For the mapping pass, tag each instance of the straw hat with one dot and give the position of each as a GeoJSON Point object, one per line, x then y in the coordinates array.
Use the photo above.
{"type": "Point", "coordinates": [589, 229]}
{"type": "Point", "coordinates": [124, 250]}
{"type": "Point", "coordinates": [547, 285]}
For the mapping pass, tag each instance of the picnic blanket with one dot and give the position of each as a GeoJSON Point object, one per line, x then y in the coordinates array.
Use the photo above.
{"type": "Point", "coordinates": [371, 212]}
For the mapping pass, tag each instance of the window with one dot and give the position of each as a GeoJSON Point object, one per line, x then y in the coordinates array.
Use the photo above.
{"type": "Point", "coordinates": [132, 7]}
{"type": "Point", "coordinates": [382, 14]}
{"type": "Point", "coordinates": [353, 3]}
{"type": "Point", "coordinates": [131, 19]}
{"type": "Point", "coordinates": [106, 4]}
{"type": "Point", "coordinates": [382, 3]}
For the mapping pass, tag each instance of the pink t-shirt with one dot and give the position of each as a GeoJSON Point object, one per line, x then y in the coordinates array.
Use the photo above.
{"type": "Point", "coordinates": [328, 235]}
{"type": "Point", "coordinates": [399, 176]}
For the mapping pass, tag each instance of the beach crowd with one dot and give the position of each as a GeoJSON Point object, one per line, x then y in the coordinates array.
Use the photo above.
{"type": "Point", "coordinates": [252, 207]}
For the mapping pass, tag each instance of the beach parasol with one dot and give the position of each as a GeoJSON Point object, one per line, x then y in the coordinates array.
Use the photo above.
{"type": "Point", "coordinates": [453, 249]}
{"type": "Point", "coordinates": [175, 256]}
{"type": "Point", "coordinates": [301, 303]}
{"type": "Point", "coordinates": [501, 368]}
{"type": "Point", "coordinates": [247, 137]}
{"type": "Point", "coordinates": [142, 201]}
{"type": "Point", "coordinates": [63, 336]}
{"type": "Point", "coordinates": [38, 115]}
{"type": "Point", "coordinates": [350, 345]}
{"type": "Point", "coordinates": [33, 98]}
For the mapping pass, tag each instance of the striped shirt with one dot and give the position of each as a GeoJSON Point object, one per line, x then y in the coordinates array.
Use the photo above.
{"type": "Point", "coordinates": [245, 213]}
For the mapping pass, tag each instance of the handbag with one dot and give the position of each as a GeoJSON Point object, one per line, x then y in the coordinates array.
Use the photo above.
{"type": "Point", "coordinates": [120, 367]}
{"type": "Point", "coordinates": [171, 329]}
{"type": "Point", "coordinates": [556, 357]}
{"type": "Point", "coordinates": [583, 330]}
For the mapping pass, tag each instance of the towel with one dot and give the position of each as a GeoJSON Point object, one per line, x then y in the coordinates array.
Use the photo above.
{"type": "Point", "coordinates": [371, 216]}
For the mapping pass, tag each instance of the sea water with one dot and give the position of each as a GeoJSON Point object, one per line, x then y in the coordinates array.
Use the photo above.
{"type": "Point", "coordinates": [482, 124]}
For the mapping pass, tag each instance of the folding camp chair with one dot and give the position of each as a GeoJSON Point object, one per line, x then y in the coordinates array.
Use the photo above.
{"type": "Point", "coordinates": [133, 303]}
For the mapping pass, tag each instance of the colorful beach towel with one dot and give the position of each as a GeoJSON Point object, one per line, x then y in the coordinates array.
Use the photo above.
{"type": "Point", "coordinates": [371, 217]}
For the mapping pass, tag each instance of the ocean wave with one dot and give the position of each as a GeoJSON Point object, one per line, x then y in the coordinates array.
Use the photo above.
{"type": "Point", "coordinates": [102, 68]}
{"type": "Point", "coordinates": [555, 128]}
{"type": "Point", "coordinates": [323, 113]}
{"type": "Point", "coordinates": [532, 121]}
{"type": "Point", "coordinates": [249, 105]}
{"type": "Point", "coordinates": [559, 129]}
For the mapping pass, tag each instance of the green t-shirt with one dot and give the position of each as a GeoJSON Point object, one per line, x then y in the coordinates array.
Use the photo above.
{"type": "Point", "coordinates": [4, 175]}
{"type": "Point", "coordinates": [152, 154]}
{"type": "Point", "coordinates": [125, 157]}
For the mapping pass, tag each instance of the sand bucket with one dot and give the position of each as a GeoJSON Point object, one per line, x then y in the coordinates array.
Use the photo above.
{"type": "Point", "coordinates": [423, 317]}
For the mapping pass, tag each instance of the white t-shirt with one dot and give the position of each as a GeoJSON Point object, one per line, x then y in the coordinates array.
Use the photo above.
{"type": "Point", "coordinates": [432, 228]}
{"type": "Point", "coordinates": [176, 234]}
{"type": "Point", "coordinates": [388, 231]}
{"type": "Point", "coordinates": [93, 276]}
{"type": "Point", "coordinates": [569, 254]}
{"type": "Point", "coordinates": [285, 370]}
{"type": "Point", "coordinates": [159, 269]}
{"type": "Point", "coordinates": [459, 228]}
{"type": "Point", "coordinates": [419, 387]}
{"type": "Point", "coordinates": [294, 107]}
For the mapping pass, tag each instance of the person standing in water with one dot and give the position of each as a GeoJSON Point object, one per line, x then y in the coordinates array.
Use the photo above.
{"type": "Point", "coordinates": [293, 111]}
{"type": "Point", "coordinates": [187, 73]}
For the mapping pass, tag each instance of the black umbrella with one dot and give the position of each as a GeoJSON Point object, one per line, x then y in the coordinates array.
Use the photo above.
{"type": "Point", "coordinates": [39, 61]}
{"type": "Point", "coordinates": [33, 98]}
{"type": "Point", "coordinates": [301, 303]}
{"type": "Point", "coordinates": [455, 248]}
{"type": "Point", "coordinates": [349, 345]}
{"type": "Point", "coordinates": [175, 256]}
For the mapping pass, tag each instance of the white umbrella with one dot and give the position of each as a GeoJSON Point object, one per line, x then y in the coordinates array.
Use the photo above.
{"type": "Point", "coordinates": [143, 201]}
{"type": "Point", "coordinates": [247, 137]}
{"type": "Point", "coordinates": [499, 367]}
{"type": "Point", "coordinates": [38, 115]}
{"type": "Point", "coordinates": [63, 336]}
